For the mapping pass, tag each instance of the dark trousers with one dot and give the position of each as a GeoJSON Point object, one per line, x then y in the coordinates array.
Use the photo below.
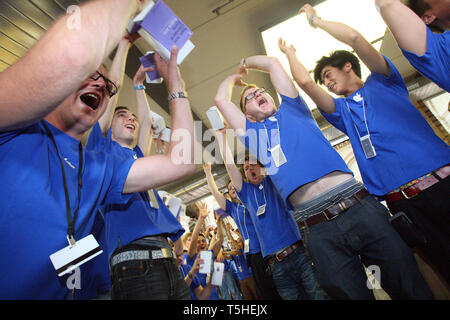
{"type": "Point", "coordinates": [362, 235]}
{"type": "Point", "coordinates": [430, 213]}
{"type": "Point", "coordinates": [152, 279]}
{"type": "Point", "coordinates": [263, 280]}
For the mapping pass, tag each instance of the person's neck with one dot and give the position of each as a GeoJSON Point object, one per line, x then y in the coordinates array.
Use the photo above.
{"type": "Point", "coordinates": [71, 129]}
{"type": "Point", "coordinates": [124, 143]}
{"type": "Point", "coordinates": [355, 85]}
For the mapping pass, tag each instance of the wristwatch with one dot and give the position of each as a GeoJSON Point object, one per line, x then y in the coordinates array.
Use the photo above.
{"type": "Point", "coordinates": [177, 95]}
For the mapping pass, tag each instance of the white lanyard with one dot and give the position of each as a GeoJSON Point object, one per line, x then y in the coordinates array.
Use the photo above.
{"type": "Point", "coordinates": [261, 208]}
{"type": "Point", "coordinates": [365, 119]}
{"type": "Point", "coordinates": [239, 219]}
{"type": "Point", "coordinates": [277, 133]}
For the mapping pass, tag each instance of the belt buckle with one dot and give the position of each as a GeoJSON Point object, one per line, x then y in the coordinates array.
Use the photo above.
{"type": "Point", "coordinates": [167, 253]}
{"type": "Point", "coordinates": [278, 259]}
{"type": "Point", "coordinates": [340, 205]}
{"type": "Point", "coordinates": [406, 196]}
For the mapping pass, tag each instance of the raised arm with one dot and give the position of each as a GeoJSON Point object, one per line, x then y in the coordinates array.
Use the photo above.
{"type": "Point", "coordinates": [408, 29]}
{"type": "Point", "coordinates": [228, 160]}
{"type": "Point", "coordinates": [203, 213]}
{"type": "Point", "coordinates": [157, 170]}
{"type": "Point", "coordinates": [343, 33]}
{"type": "Point", "coordinates": [232, 114]}
{"type": "Point", "coordinates": [221, 200]}
{"type": "Point", "coordinates": [216, 244]}
{"type": "Point", "coordinates": [61, 60]}
{"type": "Point", "coordinates": [321, 98]}
{"type": "Point", "coordinates": [116, 74]}
{"type": "Point", "coordinates": [278, 76]}
{"type": "Point", "coordinates": [143, 112]}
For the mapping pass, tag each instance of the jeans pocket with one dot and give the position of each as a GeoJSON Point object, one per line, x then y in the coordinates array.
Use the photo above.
{"type": "Point", "coordinates": [376, 206]}
{"type": "Point", "coordinates": [131, 270]}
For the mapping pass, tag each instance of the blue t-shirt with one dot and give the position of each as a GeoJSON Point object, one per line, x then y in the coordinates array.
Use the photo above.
{"type": "Point", "coordinates": [137, 218]}
{"type": "Point", "coordinates": [201, 277]}
{"type": "Point", "coordinates": [405, 144]}
{"type": "Point", "coordinates": [242, 270]}
{"type": "Point", "coordinates": [33, 208]}
{"type": "Point", "coordinates": [276, 227]}
{"type": "Point", "coordinates": [244, 223]}
{"type": "Point", "coordinates": [308, 153]}
{"type": "Point", "coordinates": [95, 277]}
{"type": "Point", "coordinates": [435, 63]}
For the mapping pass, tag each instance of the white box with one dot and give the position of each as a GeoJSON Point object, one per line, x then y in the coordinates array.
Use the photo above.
{"type": "Point", "coordinates": [217, 275]}
{"type": "Point", "coordinates": [205, 267]}
{"type": "Point", "coordinates": [215, 118]}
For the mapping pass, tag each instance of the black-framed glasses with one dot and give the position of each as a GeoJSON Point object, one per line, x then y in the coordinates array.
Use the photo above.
{"type": "Point", "coordinates": [110, 86]}
{"type": "Point", "coordinates": [252, 95]}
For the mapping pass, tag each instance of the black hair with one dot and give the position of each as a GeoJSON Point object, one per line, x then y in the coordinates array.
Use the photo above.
{"type": "Point", "coordinates": [418, 6]}
{"type": "Point", "coordinates": [336, 59]}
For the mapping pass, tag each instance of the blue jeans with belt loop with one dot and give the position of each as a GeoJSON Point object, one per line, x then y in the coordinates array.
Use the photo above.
{"type": "Point", "coordinates": [295, 278]}
{"type": "Point", "coordinates": [360, 236]}
{"type": "Point", "coordinates": [150, 279]}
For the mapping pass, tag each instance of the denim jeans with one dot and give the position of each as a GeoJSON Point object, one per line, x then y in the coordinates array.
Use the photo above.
{"type": "Point", "coordinates": [263, 279]}
{"type": "Point", "coordinates": [157, 279]}
{"type": "Point", "coordinates": [295, 277]}
{"type": "Point", "coordinates": [229, 289]}
{"type": "Point", "coordinates": [362, 235]}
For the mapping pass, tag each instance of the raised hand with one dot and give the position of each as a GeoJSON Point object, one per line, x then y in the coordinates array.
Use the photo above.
{"type": "Point", "coordinates": [207, 168]}
{"type": "Point", "coordinates": [139, 77]}
{"type": "Point", "coordinates": [284, 48]}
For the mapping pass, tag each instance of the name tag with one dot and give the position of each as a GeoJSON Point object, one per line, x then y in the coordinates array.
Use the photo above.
{"type": "Point", "coordinates": [367, 146]}
{"type": "Point", "coordinates": [278, 156]}
{"type": "Point", "coordinates": [246, 245]}
{"type": "Point", "coordinates": [69, 258]}
{"type": "Point", "coordinates": [261, 210]}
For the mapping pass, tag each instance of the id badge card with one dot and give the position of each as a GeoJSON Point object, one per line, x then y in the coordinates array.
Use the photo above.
{"type": "Point", "coordinates": [261, 210]}
{"type": "Point", "coordinates": [278, 155]}
{"type": "Point", "coordinates": [367, 146]}
{"type": "Point", "coordinates": [69, 258]}
{"type": "Point", "coordinates": [246, 245]}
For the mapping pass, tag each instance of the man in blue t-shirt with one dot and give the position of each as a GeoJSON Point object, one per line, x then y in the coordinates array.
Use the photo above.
{"type": "Point", "coordinates": [344, 227]}
{"type": "Point", "coordinates": [277, 232]}
{"type": "Point", "coordinates": [252, 249]}
{"type": "Point", "coordinates": [421, 32]}
{"type": "Point", "coordinates": [400, 157]}
{"type": "Point", "coordinates": [140, 226]}
{"type": "Point", "coordinates": [51, 187]}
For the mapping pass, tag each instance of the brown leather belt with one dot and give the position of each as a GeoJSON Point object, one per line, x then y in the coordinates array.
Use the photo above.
{"type": "Point", "coordinates": [283, 254]}
{"type": "Point", "coordinates": [333, 211]}
{"type": "Point", "coordinates": [420, 186]}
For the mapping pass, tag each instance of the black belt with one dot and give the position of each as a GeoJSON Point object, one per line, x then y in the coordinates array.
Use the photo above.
{"type": "Point", "coordinates": [333, 211]}
{"type": "Point", "coordinates": [280, 256]}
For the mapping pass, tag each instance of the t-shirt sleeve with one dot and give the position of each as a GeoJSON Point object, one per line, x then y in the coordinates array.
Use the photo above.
{"type": "Point", "coordinates": [121, 167]}
{"type": "Point", "coordinates": [435, 63]}
{"type": "Point", "coordinates": [96, 141]}
{"type": "Point", "coordinates": [297, 104]}
{"type": "Point", "coordinates": [335, 118]}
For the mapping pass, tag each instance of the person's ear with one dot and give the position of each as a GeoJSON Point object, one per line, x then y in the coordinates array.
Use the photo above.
{"type": "Point", "coordinates": [348, 67]}
{"type": "Point", "coordinates": [249, 117]}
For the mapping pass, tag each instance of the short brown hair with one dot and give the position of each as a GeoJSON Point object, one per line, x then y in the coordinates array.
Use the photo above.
{"type": "Point", "coordinates": [241, 102]}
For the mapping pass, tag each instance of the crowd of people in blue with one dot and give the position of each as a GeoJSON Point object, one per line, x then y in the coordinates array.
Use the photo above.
{"type": "Point", "coordinates": [306, 228]}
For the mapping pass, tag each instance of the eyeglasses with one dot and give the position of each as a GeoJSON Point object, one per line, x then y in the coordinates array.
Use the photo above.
{"type": "Point", "coordinates": [111, 88]}
{"type": "Point", "coordinates": [252, 95]}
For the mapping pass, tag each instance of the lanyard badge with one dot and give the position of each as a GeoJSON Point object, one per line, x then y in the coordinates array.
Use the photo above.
{"type": "Point", "coordinates": [78, 252]}
{"type": "Point", "coordinates": [366, 142]}
{"type": "Point", "coordinates": [276, 152]}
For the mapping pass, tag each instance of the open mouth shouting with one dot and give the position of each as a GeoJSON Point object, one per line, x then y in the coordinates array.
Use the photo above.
{"type": "Point", "coordinates": [130, 126]}
{"type": "Point", "coordinates": [91, 99]}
